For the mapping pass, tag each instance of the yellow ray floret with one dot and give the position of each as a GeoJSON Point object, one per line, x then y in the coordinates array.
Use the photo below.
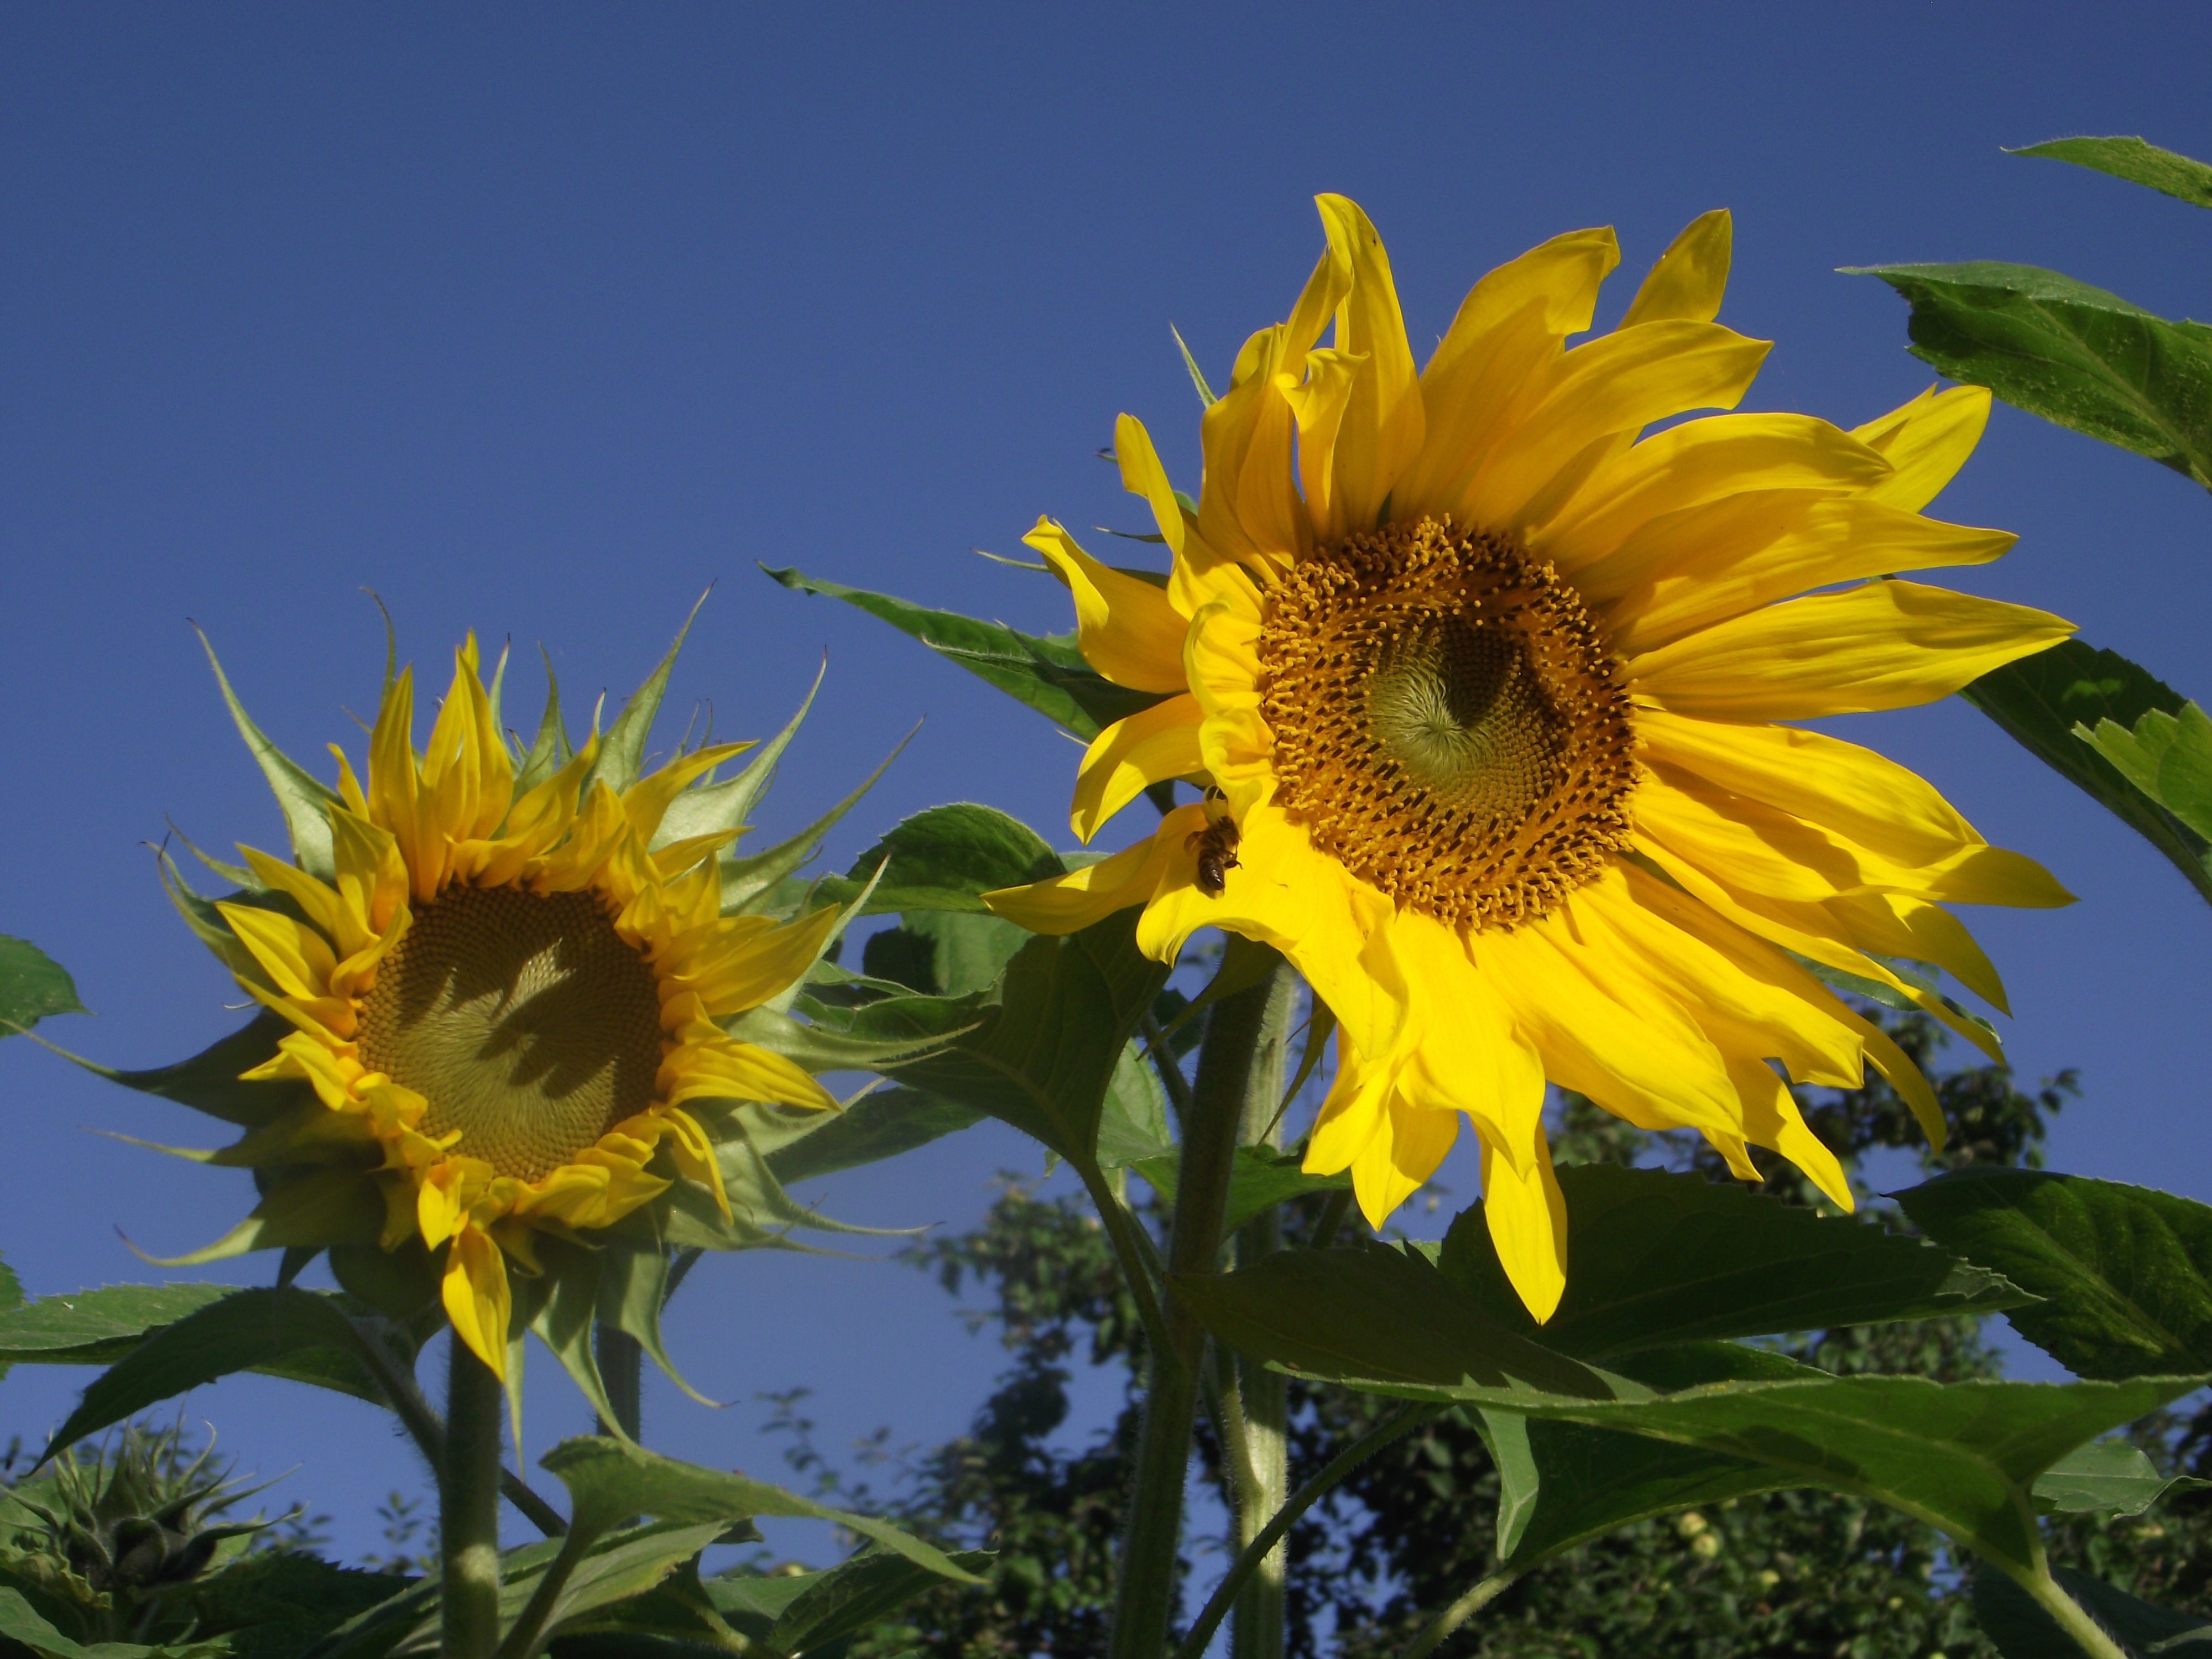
{"type": "Point", "coordinates": [1485, 680]}
{"type": "Point", "coordinates": [508, 999]}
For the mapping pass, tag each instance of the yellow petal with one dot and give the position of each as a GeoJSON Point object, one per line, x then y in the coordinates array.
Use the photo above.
{"type": "Point", "coordinates": [647, 801]}
{"type": "Point", "coordinates": [740, 1070]}
{"type": "Point", "coordinates": [465, 770]}
{"type": "Point", "coordinates": [1704, 567]}
{"type": "Point", "coordinates": [297, 958]}
{"type": "Point", "coordinates": [1770, 1119]}
{"type": "Point", "coordinates": [396, 799]}
{"type": "Point", "coordinates": [370, 874]}
{"type": "Point", "coordinates": [1382, 423]}
{"type": "Point", "coordinates": [1143, 475]}
{"type": "Point", "coordinates": [1926, 441]}
{"type": "Point", "coordinates": [1471, 1056]}
{"type": "Point", "coordinates": [1615, 384]}
{"type": "Point", "coordinates": [1356, 1109]}
{"type": "Point", "coordinates": [476, 1297]}
{"type": "Point", "coordinates": [1526, 1215]}
{"type": "Point", "coordinates": [323, 906]}
{"type": "Point", "coordinates": [694, 1154]}
{"type": "Point", "coordinates": [752, 967]}
{"type": "Point", "coordinates": [1691, 276]}
{"type": "Point", "coordinates": [1919, 930]}
{"type": "Point", "coordinates": [1839, 786]}
{"type": "Point", "coordinates": [1319, 403]}
{"type": "Point", "coordinates": [1069, 904]}
{"type": "Point", "coordinates": [1334, 930]}
{"type": "Point", "coordinates": [1563, 275]}
{"type": "Point", "coordinates": [1149, 747]}
{"type": "Point", "coordinates": [1881, 645]}
{"type": "Point", "coordinates": [1396, 1164]}
{"type": "Point", "coordinates": [1126, 629]}
{"type": "Point", "coordinates": [1641, 1059]}
{"type": "Point", "coordinates": [1687, 466]}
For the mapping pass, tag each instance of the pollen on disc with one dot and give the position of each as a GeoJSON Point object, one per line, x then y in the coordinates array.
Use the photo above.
{"type": "Point", "coordinates": [524, 1019]}
{"type": "Point", "coordinates": [1448, 721]}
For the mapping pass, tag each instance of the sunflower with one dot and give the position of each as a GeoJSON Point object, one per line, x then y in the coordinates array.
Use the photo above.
{"type": "Point", "coordinates": [501, 997]}
{"type": "Point", "coordinates": [1482, 680]}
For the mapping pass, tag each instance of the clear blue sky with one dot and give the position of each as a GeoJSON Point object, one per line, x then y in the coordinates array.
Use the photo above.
{"type": "Point", "coordinates": [538, 319]}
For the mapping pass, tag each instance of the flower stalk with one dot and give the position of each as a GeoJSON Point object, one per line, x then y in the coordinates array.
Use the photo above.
{"type": "Point", "coordinates": [468, 1503]}
{"type": "Point", "coordinates": [1145, 1599]}
{"type": "Point", "coordinates": [1264, 1394]}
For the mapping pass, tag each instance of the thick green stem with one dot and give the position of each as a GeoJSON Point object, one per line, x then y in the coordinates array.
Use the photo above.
{"type": "Point", "coordinates": [1145, 1600]}
{"type": "Point", "coordinates": [468, 1507]}
{"type": "Point", "coordinates": [2092, 1636]}
{"type": "Point", "coordinates": [1264, 1394]}
{"type": "Point", "coordinates": [1232, 1586]}
{"type": "Point", "coordinates": [1440, 1627]}
{"type": "Point", "coordinates": [622, 1372]}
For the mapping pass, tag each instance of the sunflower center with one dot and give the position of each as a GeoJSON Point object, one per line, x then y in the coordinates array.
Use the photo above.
{"type": "Point", "coordinates": [1448, 723]}
{"type": "Point", "coordinates": [524, 1019]}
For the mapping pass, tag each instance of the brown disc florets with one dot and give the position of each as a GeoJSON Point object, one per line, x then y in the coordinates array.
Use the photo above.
{"type": "Point", "coordinates": [524, 1019]}
{"type": "Point", "coordinates": [1448, 721]}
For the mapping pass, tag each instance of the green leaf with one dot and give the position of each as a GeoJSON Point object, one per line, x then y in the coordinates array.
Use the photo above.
{"type": "Point", "coordinates": [2167, 757]}
{"type": "Point", "coordinates": [874, 1128]}
{"type": "Point", "coordinates": [1374, 1316]}
{"type": "Point", "coordinates": [1132, 1119]}
{"type": "Point", "coordinates": [33, 985]}
{"type": "Point", "coordinates": [11, 1289]}
{"type": "Point", "coordinates": [2021, 1630]}
{"type": "Point", "coordinates": [1261, 1178]}
{"type": "Point", "coordinates": [1043, 1059]}
{"type": "Point", "coordinates": [305, 800]}
{"type": "Point", "coordinates": [1663, 1259]}
{"type": "Point", "coordinates": [1046, 672]}
{"type": "Point", "coordinates": [286, 1332]}
{"type": "Point", "coordinates": [97, 1327]}
{"type": "Point", "coordinates": [2075, 355]}
{"type": "Point", "coordinates": [869, 1038]}
{"type": "Point", "coordinates": [608, 1482]}
{"type": "Point", "coordinates": [829, 1605]}
{"type": "Point", "coordinates": [210, 1081]}
{"type": "Point", "coordinates": [944, 952]}
{"type": "Point", "coordinates": [1563, 1484]}
{"type": "Point", "coordinates": [2134, 160]}
{"type": "Point", "coordinates": [2125, 1272]}
{"type": "Point", "coordinates": [19, 1622]}
{"type": "Point", "coordinates": [2105, 1475]}
{"type": "Point", "coordinates": [2042, 702]}
{"type": "Point", "coordinates": [946, 859]}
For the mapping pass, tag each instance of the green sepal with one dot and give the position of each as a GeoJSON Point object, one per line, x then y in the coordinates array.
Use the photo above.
{"type": "Point", "coordinates": [747, 881]}
{"type": "Point", "coordinates": [320, 1207]}
{"type": "Point", "coordinates": [1045, 672]}
{"type": "Point", "coordinates": [706, 809]}
{"type": "Point", "coordinates": [210, 1081]}
{"type": "Point", "coordinates": [622, 750]}
{"type": "Point", "coordinates": [633, 1287]}
{"type": "Point", "coordinates": [550, 752]}
{"type": "Point", "coordinates": [304, 799]}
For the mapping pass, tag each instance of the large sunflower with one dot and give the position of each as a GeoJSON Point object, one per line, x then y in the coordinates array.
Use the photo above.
{"type": "Point", "coordinates": [1482, 685]}
{"type": "Point", "coordinates": [502, 998]}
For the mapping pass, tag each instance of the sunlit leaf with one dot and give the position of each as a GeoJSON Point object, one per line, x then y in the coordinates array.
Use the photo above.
{"type": "Point", "coordinates": [2134, 160]}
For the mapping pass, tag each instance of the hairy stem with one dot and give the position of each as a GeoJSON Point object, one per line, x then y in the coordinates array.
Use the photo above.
{"type": "Point", "coordinates": [621, 1372]}
{"type": "Point", "coordinates": [2071, 1617]}
{"type": "Point", "coordinates": [1440, 1627]}
{"type": "Point", "coordinates": [1145, 1599]}
{"type": "Point", "coordinates": [468, 1507]}
{"type": "Point", "coordinates": [1278, 1525]}
{"type": "Point", "coordinates": [1264, 1395]}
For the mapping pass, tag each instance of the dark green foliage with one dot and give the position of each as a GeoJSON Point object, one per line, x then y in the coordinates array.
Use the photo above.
{"type": "Point", "coordinates": [1791, 1572]}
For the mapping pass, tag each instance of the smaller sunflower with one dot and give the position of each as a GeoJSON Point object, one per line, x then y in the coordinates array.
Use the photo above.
{"type": "Point", "coordinates": [503, 989]}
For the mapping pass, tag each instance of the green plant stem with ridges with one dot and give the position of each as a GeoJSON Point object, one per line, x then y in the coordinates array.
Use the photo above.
{"type": "Point", "coordinates": [2069, 1614]}
{"type": "Point", "coordinates": [1263, 1395]}
{"type": "Point", "coordinates": [621, 1373]}
{"type": "Point", "coordinates": [1145, 1599]}
{"type": "Point", "coordinates": [468, 1507]}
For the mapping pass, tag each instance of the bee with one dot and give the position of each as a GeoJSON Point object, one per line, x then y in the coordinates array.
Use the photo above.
{"type": "Point", "coordinates": [1216, 846]}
